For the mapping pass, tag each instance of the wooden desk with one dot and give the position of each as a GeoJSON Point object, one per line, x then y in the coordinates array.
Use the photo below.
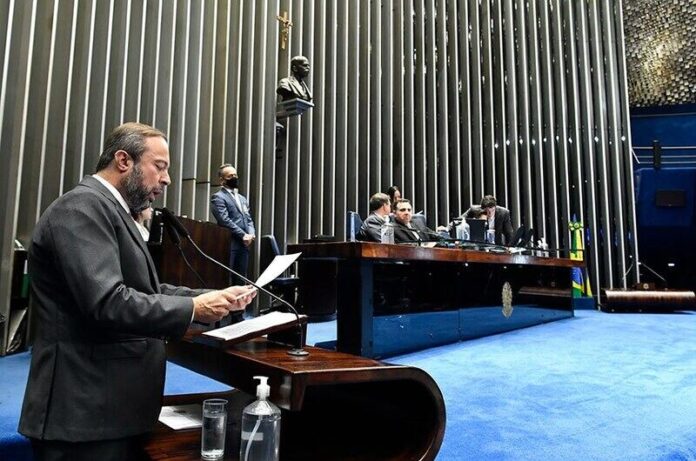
{"type": "Point", "coordinates": [393, 299]}
{"type": "Point", "coordinates": [335, 406]}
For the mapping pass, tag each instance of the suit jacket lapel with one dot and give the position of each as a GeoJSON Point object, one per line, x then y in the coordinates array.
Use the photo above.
{"type": "Point", "coordinates": [130, 225]}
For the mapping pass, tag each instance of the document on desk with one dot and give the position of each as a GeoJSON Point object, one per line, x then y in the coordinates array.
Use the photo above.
{"type": "Point", "coordinates": [255, 327]}
{"type": "Point", "coordinates": [279, 264]}
{"type": "Point", "coordinates": [182, 416]}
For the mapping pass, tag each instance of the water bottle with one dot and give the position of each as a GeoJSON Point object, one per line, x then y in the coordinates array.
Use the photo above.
{"type": "Point", "coordinates": [260, 427]}
{"type": "Point", "coordinates": [387, 231]}
{"type": "Point", "coordinates": [463, 232]}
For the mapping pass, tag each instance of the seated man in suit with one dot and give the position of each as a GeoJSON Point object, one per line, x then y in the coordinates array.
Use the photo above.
{"type": "Point", "coordinates": [408, 231]}
{"type": "Point", "coordinates": [371, 229]}
{"type": "Point", "coordinates": [498, 218]}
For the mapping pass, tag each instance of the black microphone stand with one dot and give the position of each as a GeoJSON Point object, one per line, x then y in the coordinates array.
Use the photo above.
{"type": "Point", "coordinates": [181, 230]}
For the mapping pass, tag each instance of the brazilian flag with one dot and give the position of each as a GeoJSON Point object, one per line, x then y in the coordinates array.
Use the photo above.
{"type": "Point", "coordinates": [581, 284]}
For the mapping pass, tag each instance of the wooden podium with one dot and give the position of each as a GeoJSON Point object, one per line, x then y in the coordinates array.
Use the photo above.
{"type": "Point", "coordinates": [335, 406]}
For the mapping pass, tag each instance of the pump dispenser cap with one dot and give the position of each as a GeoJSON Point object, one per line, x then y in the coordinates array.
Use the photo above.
{"type": "Point", "coordinates": [263, 390]}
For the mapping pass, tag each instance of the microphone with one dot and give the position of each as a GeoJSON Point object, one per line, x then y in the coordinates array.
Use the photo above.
{"type": "Point", "coordinates": [181, 230]}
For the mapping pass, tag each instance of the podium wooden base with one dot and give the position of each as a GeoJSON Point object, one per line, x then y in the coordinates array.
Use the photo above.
{"type": "Point", "coordinates": [335, 406]}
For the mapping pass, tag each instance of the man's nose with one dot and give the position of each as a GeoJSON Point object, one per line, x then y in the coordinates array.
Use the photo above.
{"type": "Point", "coordinates": [165, 178]}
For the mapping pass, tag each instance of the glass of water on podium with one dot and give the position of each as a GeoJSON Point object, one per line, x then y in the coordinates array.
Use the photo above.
{"type": "Point", "coordinates": [214, 429]}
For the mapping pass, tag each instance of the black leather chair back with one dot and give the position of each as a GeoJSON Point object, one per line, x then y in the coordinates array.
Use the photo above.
{"type": "Point", "coordinates": [268, 250]}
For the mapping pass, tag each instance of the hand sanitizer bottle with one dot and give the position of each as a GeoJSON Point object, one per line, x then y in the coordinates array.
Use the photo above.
{"type": "Point", "coordinates": [260, 427]}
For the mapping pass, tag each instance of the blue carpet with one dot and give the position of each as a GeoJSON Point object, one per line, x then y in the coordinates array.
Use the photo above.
{"type": "Point", "coordinates": [14, 370]}
{"type": "Point", "coordinates": [595, 387]}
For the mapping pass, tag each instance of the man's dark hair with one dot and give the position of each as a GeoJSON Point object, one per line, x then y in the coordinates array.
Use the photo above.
{"type": "Point", "coordinates": [400, 201]}
{"type": "Point", "coordinates": [378, 200]}
{"type": "Point", "coordinates": [129, 137]}
{"type": "Point", "coordinates": [488, 201]}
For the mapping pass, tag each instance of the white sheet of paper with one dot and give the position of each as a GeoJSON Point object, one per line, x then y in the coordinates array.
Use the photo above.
{"type": "Point", "coordinates": [260, 323]}
{"type": "Point", "coordinates": [279, 264]}
{"type": "Point", "coordinates": [182, 416]}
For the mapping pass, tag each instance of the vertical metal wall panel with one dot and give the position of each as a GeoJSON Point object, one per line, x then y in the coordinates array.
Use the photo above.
{"type": "Point", "coordinates": [416, 93]}
{"type": "Point", "coordinates": [420, 163]}
{"type": "Point", "coordinates": [506, 145]}
{"type": "Point", "coordinates": [600, 135]}
{"type": "Point", "coordinates": [398, 112]}
{"type": "Point", "coordinates": [488, 108]}
{"type": "Point", "coordinates": [343, 175]}
{"type": "Point", "coordinates": [306, 143]}
{"type": "Point", "coordinates": [9, 175]}
{"type": "Point", "coordinates": [431, 175]}
{"type": "Point", "coordinates": [39, 96]}
{"type": "Point", "coordinates": [409, 103]}
{"type": "Point", "coordinates": [626, 140]}
{"type": "Point", "coordinates": [503, 75]}
{"type": "Point", "coordinates": [453, 196]}
{"type": "Point", "coordinates": [548, 145]}
{"type": "Point", "coordinates": [476, 107]}
{"type": "Point", "coordinates": [466, 125]}
{"type": "Point", "coordinates": [442, 164]}
{"type": "Point", "coordinates": [575, 123]}
{"type": "Point", "coordinates": [365, 137]}
{"type": "Point", "coordinates": [524, 202]}
{"type": "Point", "coordinates": [591, 222]}
{"type": "Point", "coordinates": [387, 164]}
{"type": "Point", "coordinates": [329, 170]}
{"type": "Point", "coordinates": [561, 117]}
{"type": "Point", "coordinates": [614, 109]}
{"type": "Point", "coordinates": [536, 123]}
{"type": "Point", "coordinates": [352, 133]}
{"type": "Point", "coordinates": [376, 102]}
{"type": "Point", "coordinates": [292, 126]}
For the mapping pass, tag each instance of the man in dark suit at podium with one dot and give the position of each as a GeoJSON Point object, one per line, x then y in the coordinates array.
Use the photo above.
{"type": "Point", "coordinates": [102, 316]}
{"type": "Point", "coordinates": [231, 210]}
{"type": "Point", "coordinates": [497, 216]}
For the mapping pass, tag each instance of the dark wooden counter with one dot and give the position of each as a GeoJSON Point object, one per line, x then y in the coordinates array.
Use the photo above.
{"type": "Point", "coordinates": [335, 406]}
{"type": "Point", "coordinates": [392, 299]}
{"type": "Point", "coordinates": [369, 250]}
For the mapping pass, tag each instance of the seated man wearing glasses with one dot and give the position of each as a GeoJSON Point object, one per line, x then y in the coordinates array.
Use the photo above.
{"type": "Point", "coordinates": [407, 230]}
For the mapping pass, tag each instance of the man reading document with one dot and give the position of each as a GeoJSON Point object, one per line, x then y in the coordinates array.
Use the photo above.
{"type": "Point", "coordinates": [98, 362]}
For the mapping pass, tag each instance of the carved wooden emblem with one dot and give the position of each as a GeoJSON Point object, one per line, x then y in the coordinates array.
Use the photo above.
{"type": "Point", "coordinates": [507, 300]}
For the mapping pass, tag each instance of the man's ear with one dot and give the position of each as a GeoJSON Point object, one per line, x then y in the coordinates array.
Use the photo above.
{"type": "Point", "coordinates": [123, 160]}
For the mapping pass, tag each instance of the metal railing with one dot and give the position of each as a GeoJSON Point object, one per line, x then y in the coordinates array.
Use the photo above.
{"type": "Point", "coordinates": [667, 155]}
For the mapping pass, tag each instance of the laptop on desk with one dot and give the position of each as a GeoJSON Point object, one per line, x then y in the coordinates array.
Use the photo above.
{"type": "Point", "coordinates": [477, 229]}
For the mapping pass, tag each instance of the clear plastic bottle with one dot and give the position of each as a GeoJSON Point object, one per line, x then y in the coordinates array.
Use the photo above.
{"type": "Point", "coordinates": [387, 231]}
{"type": "Point", "coordinates": [463, 231]}
{"type": "Point", "coordinates": [260, 427]}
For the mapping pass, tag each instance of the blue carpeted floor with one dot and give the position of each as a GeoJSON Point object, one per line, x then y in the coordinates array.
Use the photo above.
{"type": "Point", "coordinates": [595, 387]}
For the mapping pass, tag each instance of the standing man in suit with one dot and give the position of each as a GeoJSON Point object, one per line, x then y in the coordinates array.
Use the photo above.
{"type": "Point", "coordinates": [231, 210]}
{"type": "Point", "coordinates": [406, 230]}
{"type": "Point", "coordinates": [371, 229]}
{"type": "Point", "coordinates": [98, 361]}
{"type": "Point", "coordinates": [498, 218]}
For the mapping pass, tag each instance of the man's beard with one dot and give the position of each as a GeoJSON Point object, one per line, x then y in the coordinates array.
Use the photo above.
{"type": "Point", "coordinates": [137, 196]}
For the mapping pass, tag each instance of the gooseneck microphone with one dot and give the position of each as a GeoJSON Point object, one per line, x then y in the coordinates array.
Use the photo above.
{"type": "Point", "coordinates": [181, 230]}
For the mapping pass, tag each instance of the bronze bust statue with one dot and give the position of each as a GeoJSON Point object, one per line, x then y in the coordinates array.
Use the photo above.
{"type": "Point", "coordinates": [294, 87]}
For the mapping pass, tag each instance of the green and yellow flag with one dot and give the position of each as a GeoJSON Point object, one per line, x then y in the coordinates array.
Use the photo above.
{"type": "Point", "coordinates": [581, 284]}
